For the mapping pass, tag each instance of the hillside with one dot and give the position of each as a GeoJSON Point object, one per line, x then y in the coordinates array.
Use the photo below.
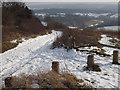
{"type": "Point", "coordinates": [30, 46]}
{"type": "Point", "coordinates": [18, 21]}
{"type": "Point", "coordinates": [32, 57]}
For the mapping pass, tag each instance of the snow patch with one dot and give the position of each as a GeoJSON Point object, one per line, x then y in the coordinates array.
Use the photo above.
{"type": "Point", "coordinates": [105, 40]}
{"type": "Point", "coordinates": [41, 14]}
{"type": "Point", "coordinates": [109, 28]}
{"type": "Point", "coordinates": [44, 23]}
{"type": "Point", "coordinates": [18, 40]}
{"type": "Point", "coordinates": [71, 27]}
{"type": "Point", "coordinates": [13, 41]}
{"type": "Point", "coordinates": [91, 14]}
{"type": "Point", "coordinates": [114, 16]}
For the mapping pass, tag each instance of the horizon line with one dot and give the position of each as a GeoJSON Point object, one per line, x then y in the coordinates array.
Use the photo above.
{"type": "Point", "coordinates": [37, 3]}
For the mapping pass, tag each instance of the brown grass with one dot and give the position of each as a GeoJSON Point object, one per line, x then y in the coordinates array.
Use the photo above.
{"type": "Point", "coordinates": [10, 33]}
{"type": "Point", "coordinates": [7, 45]}
{"type": "Point", "coordinates": [18, 22]}
{"type": "Point", "coordinates": [75, 36]}
{"type": "Point", "coordinates": [70, 36]}
{"type": "Point", "coordinates": [49, 80]}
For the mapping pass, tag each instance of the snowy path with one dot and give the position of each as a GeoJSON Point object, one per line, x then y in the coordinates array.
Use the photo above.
{"type": "Point", "coordinates": [18, 58]}
{"type": "Point", "coordinates": [35, 56]}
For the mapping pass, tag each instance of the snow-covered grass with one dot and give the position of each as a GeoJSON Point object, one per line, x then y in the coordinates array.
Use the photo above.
{"type": "Point", "coordinates": [114, 16]}
{"type": "Point", "coordinates": [109, 28]}
{"type": "Point", "coordinates": [96, 15]}
{"type": "Point", "coordinates": [18, 40]}
{"type": "Point", "coordinates": [41, 14]}
{"type": "Point", "coordinates": [49, 80]}
{"type": "Point", "coordinates": [44, 23]}
{"type": "Point", "coordinates": [105, 40]}
{"type": "Point", "coordinates": [13, 41]}
{"type": "Point", "coordinates": [71, 27]}
{"type": "Point", "coordinates": [35, 56]}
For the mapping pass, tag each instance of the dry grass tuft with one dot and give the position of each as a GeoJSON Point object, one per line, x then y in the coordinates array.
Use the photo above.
{"type": "Point", "coordinates": [49, 80]}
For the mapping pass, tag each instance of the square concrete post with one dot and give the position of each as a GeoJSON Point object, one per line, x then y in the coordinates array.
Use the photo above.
{"type": "Point", "coordinates": [115, 57]}
{"type": "Point", "coordinates": [8, 82]}
{"type": "Point", "coordinates": [90, 61]}
{"type": "Point", "coordinates": [55, 67]}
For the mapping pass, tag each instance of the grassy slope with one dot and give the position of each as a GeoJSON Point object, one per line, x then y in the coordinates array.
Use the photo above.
{"type": "Point", "coordinates": [49, 80]}
{"type": "Point", "coordinates": [71, 36]}
{"type": "Point", "coordinates": [18, 22]}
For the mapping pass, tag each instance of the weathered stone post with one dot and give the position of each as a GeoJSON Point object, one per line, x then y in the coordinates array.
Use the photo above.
{"type": "Point", "coordinates": [90, 61]}
{"type": "Point", "coordinates": [73, 45]}
{"type": "Point", "coordinates": [55, 66]}
{"type": "Point", "coordinates": [115, 57]}
{"type": "Point", "coordinates": [8, 82]}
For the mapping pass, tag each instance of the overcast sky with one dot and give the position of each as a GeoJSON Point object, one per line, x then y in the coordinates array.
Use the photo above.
{"type": "Point", "coordinates": [68, 0]}
{"type": "Point", "coordinates": [72, 0]}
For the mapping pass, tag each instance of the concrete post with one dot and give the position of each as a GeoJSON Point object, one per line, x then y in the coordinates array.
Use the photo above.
{"type": "Point", "coordinates": [55, 66]}
{"type": "Point", "coordinates": [115, 57]}
{"type": "Point", "coordinates": [90, 61]}
{"type": "Point", "coordinates": [8, 82]}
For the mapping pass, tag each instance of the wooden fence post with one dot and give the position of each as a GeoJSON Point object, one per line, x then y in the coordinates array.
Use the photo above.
{"type": "Point", "coordinates": [8, 82]}
{"type": "Point", "coordinates": [90, 61]}
{"type": "Point", "coordinates": [55, 66]}
{"type": "Point", "coordinates": [115, 57]}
